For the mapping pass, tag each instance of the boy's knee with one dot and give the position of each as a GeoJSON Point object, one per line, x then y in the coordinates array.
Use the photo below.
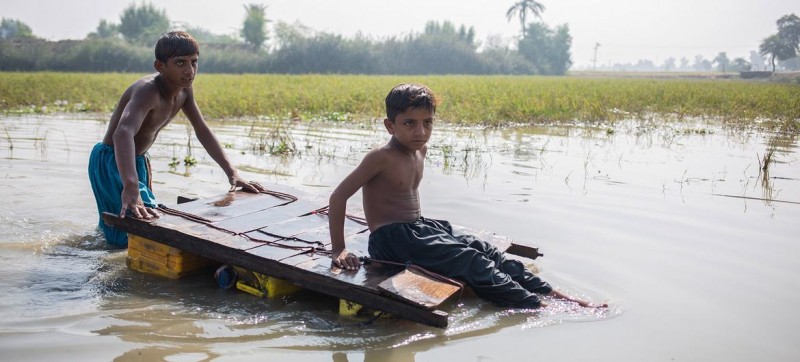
{"type": "Point", "coordinates": [486, 276]}
{"type": "Point", "coordinates": [513, 267]}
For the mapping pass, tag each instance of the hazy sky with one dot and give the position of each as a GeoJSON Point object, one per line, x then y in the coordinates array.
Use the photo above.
{"type": "Point", "coordinates": [627, 30]}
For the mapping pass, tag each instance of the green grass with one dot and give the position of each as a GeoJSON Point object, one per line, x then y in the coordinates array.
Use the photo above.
{"type": "Point", "coordinates": [492, 100]}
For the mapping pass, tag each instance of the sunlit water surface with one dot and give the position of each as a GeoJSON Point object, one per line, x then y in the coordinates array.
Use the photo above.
{"type": "Point", "coordinates": [678, 228]}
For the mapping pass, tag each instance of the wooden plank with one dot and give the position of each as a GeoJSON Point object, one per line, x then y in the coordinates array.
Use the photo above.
{"type": "Point", "coordinates": [321, 234]}
{"type": "Point", "coordinates": [264, 218]}
{"type": "Point", "coordinates": [296, 225]}
{"type": "Point", "coordinates": [313, 228]}
{"type": "Point", "coordinates": [368, 277]}
{"type": "Point", "coordinates": [315, 274]}
{"type": "Point", "coordinates": [185, 199]}
{"type": "Point", "coordinates": [290, 256]}
{"type": "Point", "coordinates": [524, 251]}
{"type": "Point", "coordinates": [259, 236]}
{"type": "Point", "coordinates": [192, 238]}
{"type": "Point", "coordinates": [205, 233]}
{"type": "Point", "coordinates": [169, 221]}
{"type": "Point", "coordinates": [230, 205]}
{"type": "Point", "coordinates": [357, 286]}
{"type": "Point", "coordinates": [413, 286]}
{"type": "Point", "coordinates": [298, 245]}
{"type": "Point", "coordinates": [360, 286]}
{"type": "Point", "coordinates": [314, 233]}
{"type": "Point", "coordinates": [275, 253]}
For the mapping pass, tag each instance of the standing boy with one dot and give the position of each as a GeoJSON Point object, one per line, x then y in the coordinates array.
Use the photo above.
{"type": "Point", "coordinates": [389, 177]}
{"type": "Point", "coordinates": [119, 168]}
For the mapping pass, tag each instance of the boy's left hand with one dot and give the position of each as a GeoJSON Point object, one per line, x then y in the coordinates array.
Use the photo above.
{"type": "Point", "coordinates": [345, 260]}
{"type": "Point", "coordinates": [250, 186]}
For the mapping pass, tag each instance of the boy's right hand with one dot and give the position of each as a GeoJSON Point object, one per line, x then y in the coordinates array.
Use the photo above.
{"type": "Point", "coordinates": [249, 186]}
{"type": "Point", "coordinates": [345, 260]}
{"type": "Point", "coordinates": [133, 202]}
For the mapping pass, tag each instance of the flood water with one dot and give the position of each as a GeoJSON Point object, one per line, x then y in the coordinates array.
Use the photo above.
{"type": "Point", "coordinates": [678, 228]}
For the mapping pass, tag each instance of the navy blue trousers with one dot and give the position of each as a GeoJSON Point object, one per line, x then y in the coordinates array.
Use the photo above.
{"type": "Point", "coordinates": [431, 244]}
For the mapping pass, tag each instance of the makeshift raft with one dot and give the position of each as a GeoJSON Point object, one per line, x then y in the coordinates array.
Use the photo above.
{"type": "Point", "coordinates": [282, 236]}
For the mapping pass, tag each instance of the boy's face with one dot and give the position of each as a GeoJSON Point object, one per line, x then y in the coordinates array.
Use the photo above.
{"type": "Point", "coordinates": [412, 128]}
{"type": "Point", "coordinates": [179, 70]}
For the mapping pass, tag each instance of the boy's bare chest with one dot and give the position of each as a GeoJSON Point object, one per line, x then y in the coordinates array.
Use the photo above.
{"type": "Point", "coordinates": [405, 175]}
{"type": "Point", "coordinates": [162, 114]}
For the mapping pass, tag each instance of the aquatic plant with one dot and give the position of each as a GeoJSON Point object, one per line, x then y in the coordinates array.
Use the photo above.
{"type": "Point", "coordinates": [8, 138]}
{"type": "Point", "coordinates": [272, 137]}
{"type": "Point", "coordinates": [188, 160]}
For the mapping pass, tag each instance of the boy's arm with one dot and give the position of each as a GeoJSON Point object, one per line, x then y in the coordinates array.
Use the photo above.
{"type": "Point", "coordinates": [211, 145]}
{"type": "Point", "coordinates": [130, 122]}
{"type": "Point", "coordinates": [369, 167]}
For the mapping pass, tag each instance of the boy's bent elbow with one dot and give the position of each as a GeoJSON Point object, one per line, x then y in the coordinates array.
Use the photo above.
{"type": "Point", "coordinates": [121, 134]}
{"type": "Point", "coordinates": [336, 198]}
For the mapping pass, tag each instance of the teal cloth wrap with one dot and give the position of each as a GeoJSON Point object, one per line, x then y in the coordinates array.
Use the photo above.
{"type": "Point", "coordinates": [107, 187]}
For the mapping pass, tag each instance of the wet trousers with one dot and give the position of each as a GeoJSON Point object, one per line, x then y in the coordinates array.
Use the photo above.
{"type": "Point", "coordinates": [107, 187]}
{"type": "Point", "coordinates": [431, 244]}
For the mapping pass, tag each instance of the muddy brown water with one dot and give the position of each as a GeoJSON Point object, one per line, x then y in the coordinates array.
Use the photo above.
{"type": "Point", "coordinates": [677, 227]}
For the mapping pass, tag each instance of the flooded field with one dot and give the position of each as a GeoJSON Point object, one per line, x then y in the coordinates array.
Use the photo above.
{"type": "Point", "coordinates": [688, 231]}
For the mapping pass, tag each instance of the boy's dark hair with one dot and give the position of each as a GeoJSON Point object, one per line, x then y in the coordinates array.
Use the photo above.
{"type": "Point", "coordinates": [176, 44]}
{"type": "Point", "coordinates": [406, 95]}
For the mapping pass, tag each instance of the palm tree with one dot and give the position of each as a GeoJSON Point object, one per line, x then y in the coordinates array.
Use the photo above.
{"type": "Point", "coordinates": [522, 8]}
{"type": "Point", "coordinates": [254, 29]}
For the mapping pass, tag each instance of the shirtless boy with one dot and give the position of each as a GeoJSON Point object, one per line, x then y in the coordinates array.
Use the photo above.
{"type": "Point", "coordinates": [119, 165]}
{"type": "Point", "coordinates": [389, 177]}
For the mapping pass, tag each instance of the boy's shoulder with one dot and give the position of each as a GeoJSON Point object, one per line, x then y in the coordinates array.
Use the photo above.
{"type": "Point", "coordinates": [377, 153]}
{"type": "Point", "coordinates": [146, 89]}
{"type": "Point", "coordinates": [387, 154]}
{"type": "Point", "coordinates": [379, 156]}
{"type": "Point", "coordinates": [148, 83]}
{"type": "Point", "coordinates": [386, 150]}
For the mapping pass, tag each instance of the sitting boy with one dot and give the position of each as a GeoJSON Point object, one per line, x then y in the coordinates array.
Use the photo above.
{"type": "Point", "coordinates": [389, 177]}
{"type": "Point", "coordinates": [119, 167]}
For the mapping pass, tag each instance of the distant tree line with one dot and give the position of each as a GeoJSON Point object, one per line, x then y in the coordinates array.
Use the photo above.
{"type": "Point", "coordinates": [781, 50]}
{"type": "Point", "coordinates": [441, 48]}
{"type": "Point", "coordinates": [720, 63]}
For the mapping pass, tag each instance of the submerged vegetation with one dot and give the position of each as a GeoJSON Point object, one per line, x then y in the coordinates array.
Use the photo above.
{"type": "Point", "coordinates": [485, 100]}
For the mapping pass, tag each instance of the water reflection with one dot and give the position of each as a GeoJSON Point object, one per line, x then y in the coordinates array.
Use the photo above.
{"type": "Point", "coordinates": [159, 353]}
{"type": "Point", "coordinates": [623, 214]}
{"type": "Point", "coordinates": [778, 148]}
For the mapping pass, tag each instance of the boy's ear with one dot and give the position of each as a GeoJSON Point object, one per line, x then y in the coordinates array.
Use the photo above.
{"type": "Point", "coordinates": [158, 65]}
{"type": "Point", "coordinates": [389, 125]}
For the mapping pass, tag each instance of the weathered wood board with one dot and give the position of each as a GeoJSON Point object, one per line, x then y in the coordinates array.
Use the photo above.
{"type": "Point", "coordinates": [283, 239]}
{"type": "Point", "coordinates": [414, 287]}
